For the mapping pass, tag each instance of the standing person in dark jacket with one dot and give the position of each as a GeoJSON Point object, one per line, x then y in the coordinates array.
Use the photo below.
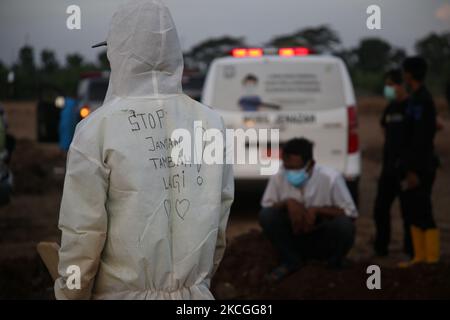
{"type": "Point", "coordinates": [420, 163]}
{"type": "Point", "coordinates": [447, 93]}
{"type": "Point", "coordinates": [389, 184]}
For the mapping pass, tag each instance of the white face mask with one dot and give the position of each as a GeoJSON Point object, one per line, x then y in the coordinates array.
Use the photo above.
{"type": "Point", "coordinates": [389, 93]}
{"type": "Point", "coordinates": [298, 178]}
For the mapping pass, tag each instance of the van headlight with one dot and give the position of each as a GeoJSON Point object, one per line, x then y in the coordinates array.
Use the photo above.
{"type": "Point", "coordinates": [60, 102]}
{"type": "Point", "coordinates": [85, 111]}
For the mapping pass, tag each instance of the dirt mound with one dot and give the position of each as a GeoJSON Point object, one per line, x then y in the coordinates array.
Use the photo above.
{"type": "Point", "coordinates": [34, 166]}
{"type": "Point", "coordinates": [250, 256]}
{"type": "Point", "coordinates": [25, 278]}
{"type": "Point", "coordinates": [32, 216]}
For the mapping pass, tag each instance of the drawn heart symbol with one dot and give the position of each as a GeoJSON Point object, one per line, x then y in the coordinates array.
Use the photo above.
{"type": "Point", "coordinates": [182, 207]}
{"type": "Point", "coordinates": [167, 207]}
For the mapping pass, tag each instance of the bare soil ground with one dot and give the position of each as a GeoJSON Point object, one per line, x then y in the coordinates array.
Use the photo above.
{"type": "Point", "coordinates": [33, 214]}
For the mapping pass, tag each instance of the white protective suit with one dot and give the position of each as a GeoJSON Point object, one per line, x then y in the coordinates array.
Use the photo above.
{"type": "Point", "coordinates": [138, 226]}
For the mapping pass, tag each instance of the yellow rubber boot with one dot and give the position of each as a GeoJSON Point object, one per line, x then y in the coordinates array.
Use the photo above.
{"type": "Point", "coordinates": [432, 246]}
{"type": "Point", "coordinates": [418, 240]}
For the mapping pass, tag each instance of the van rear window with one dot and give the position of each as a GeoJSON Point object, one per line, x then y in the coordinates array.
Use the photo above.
{"type": "Point", "coordinates": [278, 85]}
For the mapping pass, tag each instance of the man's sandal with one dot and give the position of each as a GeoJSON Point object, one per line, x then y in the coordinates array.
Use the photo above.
{"type": "Point", "coordinates": [279, 273]}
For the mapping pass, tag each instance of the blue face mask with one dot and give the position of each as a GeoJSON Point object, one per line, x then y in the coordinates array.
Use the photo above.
{"type": "Point", "coordinates": [389, 93]}
{"type": "Point", "coordinates": [297, 178]}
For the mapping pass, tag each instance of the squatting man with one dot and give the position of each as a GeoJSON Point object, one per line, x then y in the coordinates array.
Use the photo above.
{"type": "Point", "coordinates": [308, 211]}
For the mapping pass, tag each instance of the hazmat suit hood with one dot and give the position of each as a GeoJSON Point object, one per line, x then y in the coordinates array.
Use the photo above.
{"type": "Point", "coordinates": [144, 51]}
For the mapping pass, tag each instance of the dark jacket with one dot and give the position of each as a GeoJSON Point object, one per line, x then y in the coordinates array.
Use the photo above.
{"type": "Point", "coordinates": [393, 123]}
{"type": "Point", "coordinates": [420, 128]}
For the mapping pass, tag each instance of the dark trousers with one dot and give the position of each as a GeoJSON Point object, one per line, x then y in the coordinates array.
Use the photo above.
{"type": "Point", "coordinates": [419, 203]}
{"type": "Point", "coordinates": [389, 188]}
{"type": "Point", "coordinates": [330, 240]}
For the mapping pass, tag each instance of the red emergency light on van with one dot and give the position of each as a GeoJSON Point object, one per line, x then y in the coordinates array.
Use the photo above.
{"type": "Point", "coordinates": [247, 52]}
{"type": "Point", "coordinates": [259, 52]}
{"type": "Point", "coordinates": [291, 52]}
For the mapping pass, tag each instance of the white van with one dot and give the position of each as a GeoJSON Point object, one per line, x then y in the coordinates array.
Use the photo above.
{"type": "Point", "coordinates": [302, 95]}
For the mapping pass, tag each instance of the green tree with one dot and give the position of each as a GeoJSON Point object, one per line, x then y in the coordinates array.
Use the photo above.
{"type": "Point", "coordinates": [49, 62]}
{"type": "Point", "coordinates": [74, 61]}
{"type": "Point", "coordinates": [25, 71]}
{"type": "Point", "coordinates": [320, 39]}
{"type": "Point", "coordinates": [284, 41]}
{"type": "Point", "coordinates": [368, 62]}
{"type": "Point", "coordinates": [374, 55]}
{"type": "Point", "coordinates": [435, 48]}
{"type": "Point", "coordinates": [103, 60]}
{"type": "Point", "coordinates": [70, 76]}
{"type": "Point", "coordinates": [201, 55]}
{"type": "Point", "coordinates": [26, 59]}
{"type": "Point", "coordinates": [397, 56]}
{"type": "Point", "coordinates": [349, 57]}
{"type": "Point", "coordinates": [3, 81]}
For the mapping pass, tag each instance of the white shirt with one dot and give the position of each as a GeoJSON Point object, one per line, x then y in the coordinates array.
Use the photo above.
{"type": "Point", "coordinates": [325, 188]}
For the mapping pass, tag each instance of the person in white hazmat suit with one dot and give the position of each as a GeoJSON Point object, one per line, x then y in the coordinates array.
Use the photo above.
{"type": "Point", "coordinates": [136, 224]}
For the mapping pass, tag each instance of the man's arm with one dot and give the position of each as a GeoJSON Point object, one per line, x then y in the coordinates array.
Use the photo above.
{"type": "Point", "coordinates": [271, 197]}
{"type": "Point", "coordinates": [311, 214]}
{"type": "Point", "coordinates": [282, 204]}
{"type": "Point", "coordinates": [297, 215]}
{"type": "Point", "coordinates": [383, 116]}
{"type": "Point", "coordinates": [328, 212]}
{"type": "Point", "coordinates": [83, 222]}
{"type": "Point", "coordinates": [342, 201]}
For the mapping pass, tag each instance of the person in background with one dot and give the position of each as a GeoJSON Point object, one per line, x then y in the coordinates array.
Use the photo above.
{"type": "Point", "coordinates": [130, 232]}
{"type": "Point", "coordinates": [9, 140]}
{"type": "Point", "coordinates": [7, 146]}
{"type": "Point", "coordinates": [307, 212]}
{"type": "Point", "coordinates": [419, 163]}
{"type": "Point", "coordinates": [389, 183]}
{"type": "Point", "coordinates": [447, 94]}
{"type": "Point", "coordinates": [67, 123]}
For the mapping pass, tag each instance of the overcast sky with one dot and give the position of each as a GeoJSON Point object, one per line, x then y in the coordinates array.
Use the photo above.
{"type": "Point", "coordinates": [42, 23]}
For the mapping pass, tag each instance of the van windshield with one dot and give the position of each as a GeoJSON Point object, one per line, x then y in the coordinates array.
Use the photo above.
{"type": "Point", "coordinates": [279, 85]}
